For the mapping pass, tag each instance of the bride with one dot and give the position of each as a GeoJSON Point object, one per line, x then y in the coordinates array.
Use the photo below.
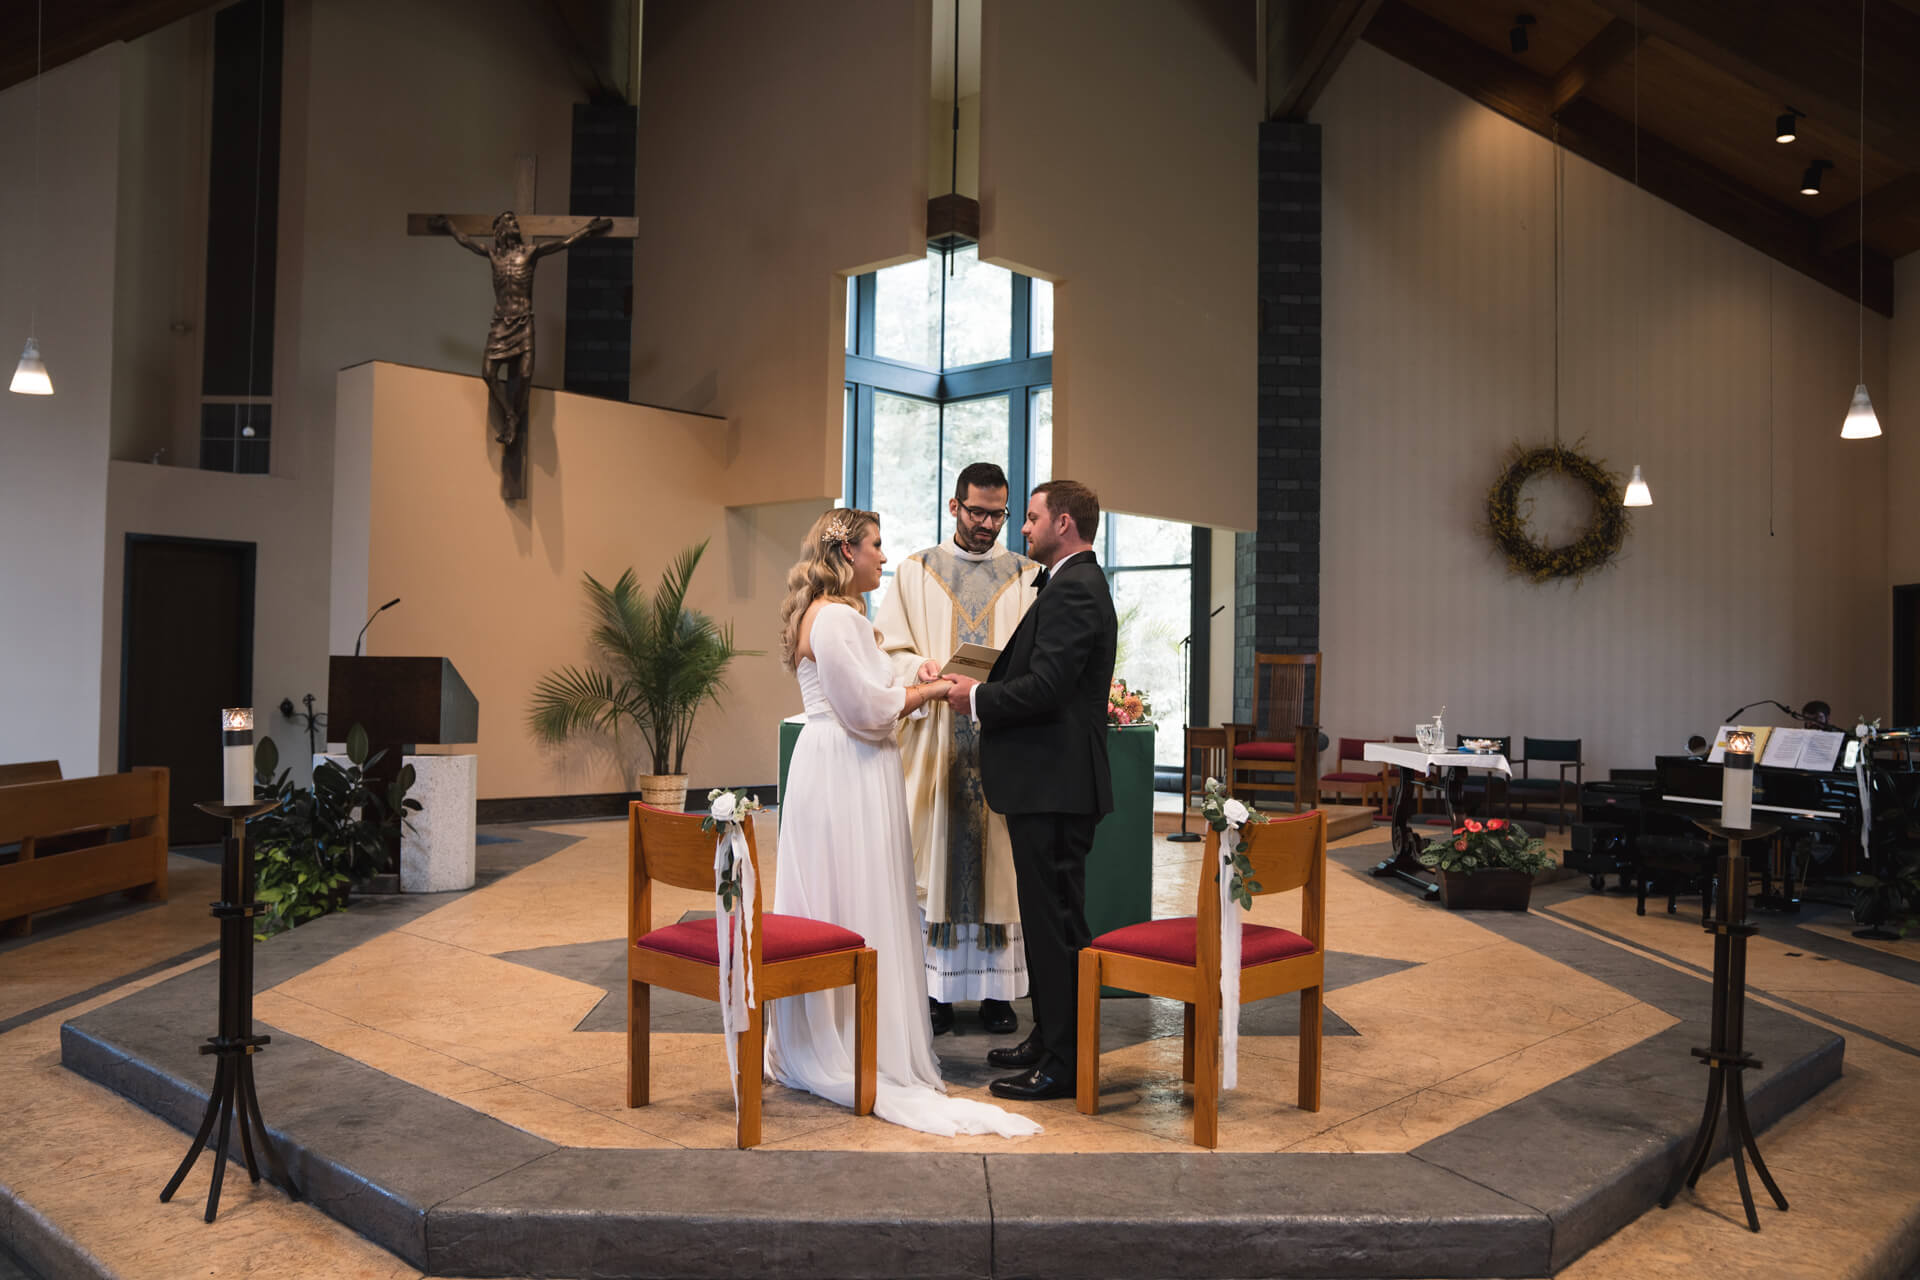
{"type": "Point", "coordinates": [845, 855]}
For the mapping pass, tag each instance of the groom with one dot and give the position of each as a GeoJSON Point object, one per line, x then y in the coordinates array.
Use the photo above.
{"type": "Point", "coordinates": [1043, 762]}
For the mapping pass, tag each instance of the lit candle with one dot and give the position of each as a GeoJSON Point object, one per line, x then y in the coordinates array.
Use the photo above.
{"type": "Point", "coordinates": [1736, 782]}
{"type": "Point", "coordinates": [236, 755]}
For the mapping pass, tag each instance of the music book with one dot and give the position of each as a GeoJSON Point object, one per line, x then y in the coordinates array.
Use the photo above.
{"type": "Point", "coordinates": [1816, 749]}
{"type": "Point", "coordinates": [1760, 733]}
{"type": "Point", "coordinates": [974, 661]}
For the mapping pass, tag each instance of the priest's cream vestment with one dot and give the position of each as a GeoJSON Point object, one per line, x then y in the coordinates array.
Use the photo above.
{"type": "Point", "coordinates": [942, 598]}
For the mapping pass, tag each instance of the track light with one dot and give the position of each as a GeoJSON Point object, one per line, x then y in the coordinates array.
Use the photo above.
{"type": "Point", "coordinates": [1810, 180]}
{"type": "Point", "coordinates": [1517, 38]}
{"type": "Point", "coordinates": [1786, 125]}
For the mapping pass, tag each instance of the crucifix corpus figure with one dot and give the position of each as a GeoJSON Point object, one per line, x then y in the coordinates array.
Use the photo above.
{"type": "Point", "coordinates": [510, 336]}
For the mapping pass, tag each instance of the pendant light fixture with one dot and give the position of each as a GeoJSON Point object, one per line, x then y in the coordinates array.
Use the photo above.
{"type": "Point", "coordinates": [30, 377]}
{"type": "Point", "coordinates": [1637, 494]}
{"type": "Point", "coordinates": [1861, 422]}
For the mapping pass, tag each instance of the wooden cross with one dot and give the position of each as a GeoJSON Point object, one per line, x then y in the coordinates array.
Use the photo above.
{"type": "Point", "coordinates": [510, 346]}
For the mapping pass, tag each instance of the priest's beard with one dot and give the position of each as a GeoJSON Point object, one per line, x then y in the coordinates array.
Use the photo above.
{"type": "Point", "coordinates": [979, 542]}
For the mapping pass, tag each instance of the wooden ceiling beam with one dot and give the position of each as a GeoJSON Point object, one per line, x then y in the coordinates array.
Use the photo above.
{"type": "Point", "coordinates": [69, 37]}
{"type": "Point", "coordinates": [1595, 134]}
{"type": "Point", "coordinates": [1306, 42]}
{"type": "Point", "coordinates": [1613, 46]}
{"type": "Point", "coordinates": [1800, 53]}
{"type": "Point", "coordinates": [1891, 202]}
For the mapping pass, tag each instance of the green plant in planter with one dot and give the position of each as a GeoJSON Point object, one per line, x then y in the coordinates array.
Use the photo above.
{"type": "Point", "coordinates": [658, 662]}
{"type": "Point", "coordinates": [320, 839]}
{"type": "Point", "coordinates": [1476, 845]}
{"type": "Point", "coordinates": [1887, 899]}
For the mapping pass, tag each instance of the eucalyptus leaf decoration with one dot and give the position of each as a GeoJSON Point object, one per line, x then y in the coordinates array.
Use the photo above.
{"type": "Point", "coordinates": [728, 808]}
{"type": "Point", "coordinates": [1507, 513]}
{"type": "Point", "coordinates": [1221, 811]}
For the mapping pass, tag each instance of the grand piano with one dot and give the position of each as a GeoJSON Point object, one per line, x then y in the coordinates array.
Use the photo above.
{"type": "Point", "coordinates": [1640, 825]}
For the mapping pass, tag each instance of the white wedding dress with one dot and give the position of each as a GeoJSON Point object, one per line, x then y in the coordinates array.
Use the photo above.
{"type": "Point", "coordinates": [846, 856]}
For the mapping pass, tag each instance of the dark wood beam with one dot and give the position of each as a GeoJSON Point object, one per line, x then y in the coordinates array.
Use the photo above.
{"type": "Point", "coordinates": [75, 30]}
{"type": "Point", "coordinates": [1603, 53]}
{"type": "Point", "coordinates": [1890, 202]}
{"type": "Point", "coordinates": [1806, 54]}
{"type": "Point", "coordinates": [1596, 135]}
{"type": "Point", "coordinates": [1306, 42]}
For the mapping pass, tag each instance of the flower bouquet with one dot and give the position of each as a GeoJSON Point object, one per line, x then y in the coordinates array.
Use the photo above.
{"type": "Point", "coordinates": [728, 807]}
{"type": "Point", "coordinates": [1229, 816]}
{"type": "Point", "coordinates": [1127, 706]}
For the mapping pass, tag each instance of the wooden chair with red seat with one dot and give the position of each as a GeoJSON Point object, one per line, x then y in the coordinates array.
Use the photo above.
{"type": "Point", "coordinates": [1179, 959]}
{"type": "Point", "coordinates": [787, 955]}
{"type": "Point", "coordinates": [1369, 783]}
{"type": "Point", "coordinates": [1284, 735]}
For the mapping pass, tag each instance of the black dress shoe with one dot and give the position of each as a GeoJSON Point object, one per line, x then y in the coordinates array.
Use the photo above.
{"type": "Point", "coordinates": [1036, 1085]}
{"type": "Point", "coordinates": [941, 1014]}
{"type": "Point", "coordinates": [1025, 1054]}
{"type": "Point", "coordinates": [998, 1017]}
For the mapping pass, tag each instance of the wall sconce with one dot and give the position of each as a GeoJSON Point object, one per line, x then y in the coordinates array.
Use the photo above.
{"type": "Point", "coordinates": [236, 755]}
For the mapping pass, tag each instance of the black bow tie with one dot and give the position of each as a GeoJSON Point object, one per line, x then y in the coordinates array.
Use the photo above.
{"type": "Point", "coordinates": [1041, 579]}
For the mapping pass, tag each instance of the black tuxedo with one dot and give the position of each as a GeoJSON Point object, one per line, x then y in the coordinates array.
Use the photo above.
{"type": "Point", "coordinates": [1043, 764]}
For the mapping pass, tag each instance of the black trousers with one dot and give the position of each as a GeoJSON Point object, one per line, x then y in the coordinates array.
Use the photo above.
{"type": "Point", "coordinates": [1050, 869]}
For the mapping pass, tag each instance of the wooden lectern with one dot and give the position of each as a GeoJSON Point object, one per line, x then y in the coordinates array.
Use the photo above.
{"type": "Point", "coordinates": [400, 702]}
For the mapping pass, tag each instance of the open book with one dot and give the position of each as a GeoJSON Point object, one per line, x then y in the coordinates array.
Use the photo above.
{"type": "Point", "coordinates": [1817, 749]}
{"type": "Point", "coordinates": [974, 661]}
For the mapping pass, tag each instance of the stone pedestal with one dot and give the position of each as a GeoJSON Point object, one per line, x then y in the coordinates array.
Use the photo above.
{"type": "Point", "coordinates": [437, 845]}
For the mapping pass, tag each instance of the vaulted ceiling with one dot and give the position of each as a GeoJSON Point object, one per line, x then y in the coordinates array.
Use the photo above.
{"type": "Point", "coordinates": [1708, 79]}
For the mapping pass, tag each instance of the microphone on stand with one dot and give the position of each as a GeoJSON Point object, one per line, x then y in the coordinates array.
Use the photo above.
{"type": "Point", "coordinates": [1183, 836]}
{"type": "Point", "coordinates": [1761, 702]}
{"type": "Point", "coordinates": [370, 617]}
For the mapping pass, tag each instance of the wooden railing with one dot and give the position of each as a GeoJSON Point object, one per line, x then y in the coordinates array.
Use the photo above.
{"type": "Point", "coordinates": [31, 813]}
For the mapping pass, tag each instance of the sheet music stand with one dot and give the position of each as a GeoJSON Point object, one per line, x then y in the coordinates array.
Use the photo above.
{"type": "Point", "coordinates": [1724, 1055]}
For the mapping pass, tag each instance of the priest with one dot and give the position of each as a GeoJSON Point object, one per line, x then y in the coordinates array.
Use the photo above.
{"type": "Point", "coordinates": [969, 590]}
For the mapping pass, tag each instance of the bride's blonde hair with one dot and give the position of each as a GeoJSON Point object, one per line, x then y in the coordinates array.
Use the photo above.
{"type": "Point", "coordinates": [822, 572]}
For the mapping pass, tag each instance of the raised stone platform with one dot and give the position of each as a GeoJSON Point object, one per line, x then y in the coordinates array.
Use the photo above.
{"type": "Point", "coordinates": [1519, 1191]}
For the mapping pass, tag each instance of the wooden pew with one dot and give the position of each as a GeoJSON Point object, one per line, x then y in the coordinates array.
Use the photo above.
{"type": "Point", "coordinates": [32, 811]}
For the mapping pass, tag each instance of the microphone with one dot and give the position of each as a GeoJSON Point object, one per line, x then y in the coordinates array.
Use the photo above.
{"type": "Point", "coordinates": [388, 605]}
{"type": "Point", "coordinates": [1761, 702]}
{"type": "Point", "coordinates": [1188, 638]}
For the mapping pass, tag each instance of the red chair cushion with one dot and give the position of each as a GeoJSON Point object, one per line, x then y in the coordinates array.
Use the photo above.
{"type": "Point", "coordinates": [1264, 751]}
{"type": "Point", "coordinates": [1350, 777]}
{"type": "Point", "coordinates": [1173, 941]}
{"type": "Point", "coordinates": [781, 938]}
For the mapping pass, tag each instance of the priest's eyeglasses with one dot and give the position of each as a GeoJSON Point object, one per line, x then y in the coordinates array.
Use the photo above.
{"type": "Point", "coordinates": [983, 515]}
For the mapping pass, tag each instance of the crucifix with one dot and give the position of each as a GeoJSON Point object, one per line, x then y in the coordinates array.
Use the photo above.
{"type": "Point", "coordinates": [519, 241]}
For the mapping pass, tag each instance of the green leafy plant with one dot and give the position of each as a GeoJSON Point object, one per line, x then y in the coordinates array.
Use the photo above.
{"type": "Point", "coordinates": [1475, 845]}
{"type": "Point", "coordinates": [657, 663]}
{"type": "Point", "coordinates": [320, 839]}
{"type": "Point", "coordinates": [1222, 812]}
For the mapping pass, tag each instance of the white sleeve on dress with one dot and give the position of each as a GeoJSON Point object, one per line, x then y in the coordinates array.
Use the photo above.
{"type": "Point", "coordinates": [853, 672]}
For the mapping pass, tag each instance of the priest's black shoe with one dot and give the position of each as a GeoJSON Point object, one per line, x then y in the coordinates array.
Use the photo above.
{"type": "Point", "coordinates": [1025, 1054]}
{"type": "Point", "coordinates": [998, 1017]}
{"type": "Point", "coordinates": [941, 1014]}
{"type": "Point", "coordinates": [1036, 1085]}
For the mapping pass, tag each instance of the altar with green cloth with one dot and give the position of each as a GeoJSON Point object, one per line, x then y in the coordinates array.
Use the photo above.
{"type": "Point", "coordinates": [1120, 868]}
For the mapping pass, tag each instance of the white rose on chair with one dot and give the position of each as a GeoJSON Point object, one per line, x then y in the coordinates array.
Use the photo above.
{"type": "Point", "coordinates": [723, 805]}
{"type": "Point", "coordinates": [1235, 812]}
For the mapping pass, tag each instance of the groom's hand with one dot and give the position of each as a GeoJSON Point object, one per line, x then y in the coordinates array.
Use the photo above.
{"type": "Point", "coordinates": [960, 697]}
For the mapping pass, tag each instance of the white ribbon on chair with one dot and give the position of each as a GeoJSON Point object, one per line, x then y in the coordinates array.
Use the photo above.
{"type": "Point", "coordinates": [1229, 962]}
{"type": "Point", "coordinates": [730, 928]}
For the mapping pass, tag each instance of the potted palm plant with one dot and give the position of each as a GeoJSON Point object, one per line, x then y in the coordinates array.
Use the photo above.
{"type": "Point", "coordinates": [1487, 865]}
{"type": "Point", "coordinates": [656, 663]}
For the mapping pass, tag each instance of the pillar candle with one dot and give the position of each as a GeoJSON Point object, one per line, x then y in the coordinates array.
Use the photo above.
{"type": "Point", "coordinates": [1736, 784]}
{"type": "Point", "coordinates": [236, 755]}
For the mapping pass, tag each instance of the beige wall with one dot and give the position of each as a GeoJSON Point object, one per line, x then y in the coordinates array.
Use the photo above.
{"type": "Point", "coordinates": [53, 477]}
{"type": "Point", "coordinates": [1439, 356]}
{"type": "Point", "coordinates": [1118, 158]}
{"type": "Point", "coordinates": [781, 148]}
{"type": "Point", "coordinates": [1897, 400]}
{"type": "Point", "coordinates": [498, 589]}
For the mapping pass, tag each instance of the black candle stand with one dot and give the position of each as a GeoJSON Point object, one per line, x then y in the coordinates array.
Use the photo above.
{"type": "Point", "coordinates": [233, 1093]}
{"type": "Point", "coordinates": [1724, 1055]}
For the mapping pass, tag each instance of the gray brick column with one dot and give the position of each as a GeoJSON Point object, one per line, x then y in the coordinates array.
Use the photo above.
{"type": "Point", "coordinates": [1277, 567]}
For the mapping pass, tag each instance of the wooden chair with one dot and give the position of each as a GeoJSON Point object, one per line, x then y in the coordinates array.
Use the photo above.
{"type": "Point", "coordinates": [1179, 958]}
{"type": "Point", "coordinates": [787, 955]}
{"type": "Point", "coordinates": [1563, 752]}
{"type": "Point", "coordinates": [1370, 783]}
{"type": "Point", "coordinates": [1284, 735]}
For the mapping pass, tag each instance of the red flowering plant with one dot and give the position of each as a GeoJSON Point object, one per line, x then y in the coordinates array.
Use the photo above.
{"type": "Point", "coordinates": [1127, 706]}
{"type": "Point", "coordinates": [1477, 844]}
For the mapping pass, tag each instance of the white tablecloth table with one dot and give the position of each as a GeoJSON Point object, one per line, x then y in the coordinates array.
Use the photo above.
{"type": "Point", "coordinates": [1412, 761]}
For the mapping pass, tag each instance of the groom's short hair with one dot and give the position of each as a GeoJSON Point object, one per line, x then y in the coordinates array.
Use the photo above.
{"type": "Point", "coordinates": [1076, 500]}
{"type": "Point", "coordinates": [978, 475]}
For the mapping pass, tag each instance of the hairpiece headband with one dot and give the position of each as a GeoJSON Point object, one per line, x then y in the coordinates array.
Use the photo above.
{"type": "Point", "coordinates": [839, 529]}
